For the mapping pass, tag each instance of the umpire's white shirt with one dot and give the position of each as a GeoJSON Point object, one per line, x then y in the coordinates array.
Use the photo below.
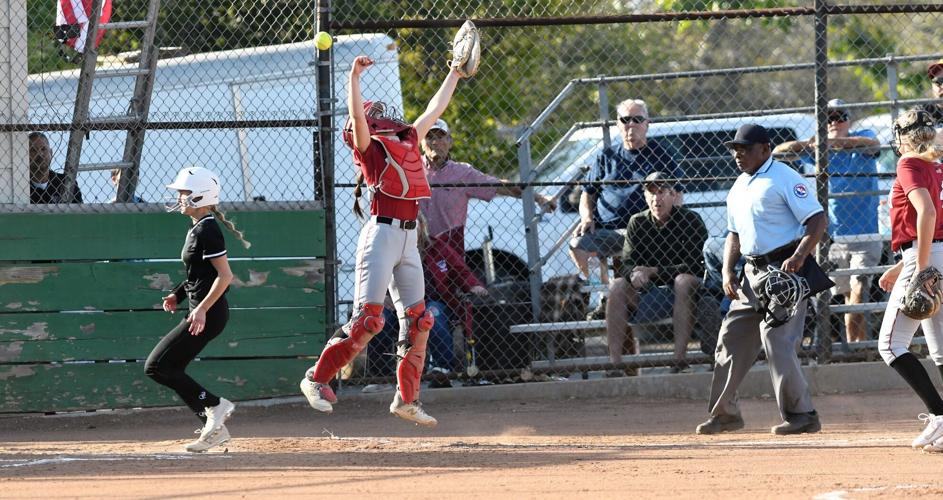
{"type": "Point", "coordinates": [769, 208]}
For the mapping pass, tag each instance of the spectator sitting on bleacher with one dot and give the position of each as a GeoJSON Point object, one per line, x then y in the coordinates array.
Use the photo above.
{"type": "Point", "coordinates": [663, 247]}
{"type": "Point", "coordinates": [852, 155]}
{"type": "Point", "coordinates": [447, 278]}
{"type": "Point", "coordinates": [611, 194]}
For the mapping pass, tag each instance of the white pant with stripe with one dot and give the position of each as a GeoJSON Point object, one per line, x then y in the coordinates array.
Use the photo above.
{"type": "Point", "coordinates": [388, 259]}
{"type": "Point", "coordinates": [897, 330]}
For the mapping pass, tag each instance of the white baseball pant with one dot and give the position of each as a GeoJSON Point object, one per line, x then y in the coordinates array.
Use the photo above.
{"type": "Point", "coordinates": [897, 330]}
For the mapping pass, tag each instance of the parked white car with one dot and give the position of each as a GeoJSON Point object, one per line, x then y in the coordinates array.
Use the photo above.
{"type": "Point", "coordinates": [699, 145]}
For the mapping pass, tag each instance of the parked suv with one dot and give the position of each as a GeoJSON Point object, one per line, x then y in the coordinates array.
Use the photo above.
{"type": "Point", "coordinates": [699, 145]}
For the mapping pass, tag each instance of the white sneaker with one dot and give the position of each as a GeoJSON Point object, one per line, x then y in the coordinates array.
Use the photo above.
{"type": "Point", "coordinates": [934, 447]}
{"type": "Point", "coordinates": [216, 416]}
{"type": "Point", "coordinates": [412, 412]}
{"type": "Point", "coordinates": [932, 432]}
{"type": "Point", "coordinates": [319, 396]}
{"type": "Point", "coordinates": [215, 438]}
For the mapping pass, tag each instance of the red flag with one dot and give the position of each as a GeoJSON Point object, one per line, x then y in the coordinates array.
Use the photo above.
{"type": "Point", "coordinates": [72, 22]}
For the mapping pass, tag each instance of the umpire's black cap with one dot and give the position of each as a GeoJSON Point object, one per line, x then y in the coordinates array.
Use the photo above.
{"type": "Point", "coordinates": [749, 134]}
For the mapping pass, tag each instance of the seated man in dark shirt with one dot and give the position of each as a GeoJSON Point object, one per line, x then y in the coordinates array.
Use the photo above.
{"type": "Point", "coordinates": [46, 186]}
{"type": "Point", "coordinates": [663, 246]}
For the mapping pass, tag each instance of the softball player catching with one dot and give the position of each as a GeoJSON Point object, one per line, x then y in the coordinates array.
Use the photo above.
{"type": "Point", "coordinates": [208, 277]}
{"type": "Point", "coordinates": [916, 217]}
{"type": "Point", "coordinates": [386, 153]}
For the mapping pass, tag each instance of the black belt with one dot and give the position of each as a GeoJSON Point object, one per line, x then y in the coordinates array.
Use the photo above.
{"type": "Point", "coordinates": [402, 224]}
{"type": "Point", "coordinates": [908, 245]}
{"type": "Point", "coordinates": [778, 255]}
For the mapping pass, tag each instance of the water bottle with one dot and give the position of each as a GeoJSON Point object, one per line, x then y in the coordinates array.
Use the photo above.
{"type": "Point", "coordinates": [592, 270]}
{"type": "Point", "coordinates": [884, 217]}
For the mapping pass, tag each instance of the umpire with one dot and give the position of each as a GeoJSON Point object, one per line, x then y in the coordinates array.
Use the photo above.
{"type": "Point", "coordinates": [773, 220]}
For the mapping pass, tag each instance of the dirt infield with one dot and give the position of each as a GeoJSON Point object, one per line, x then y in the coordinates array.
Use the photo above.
{"type": "Point", "coordinates": [526, 449]}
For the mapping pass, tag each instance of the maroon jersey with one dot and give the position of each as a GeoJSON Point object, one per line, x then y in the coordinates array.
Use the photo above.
{"type": "Point", "coordinates": [914, 173]}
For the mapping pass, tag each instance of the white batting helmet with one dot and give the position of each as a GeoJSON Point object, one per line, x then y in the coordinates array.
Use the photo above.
{"type": "Point", "coordinates": [203, 185]}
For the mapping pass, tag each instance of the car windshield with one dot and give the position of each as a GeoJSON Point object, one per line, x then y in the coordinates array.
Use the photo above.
{"type": "Point", "coordinates": [571, 155]}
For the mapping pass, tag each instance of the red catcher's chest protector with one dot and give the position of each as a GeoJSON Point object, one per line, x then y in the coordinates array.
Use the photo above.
{"type": "Point", "coordinates": [403, 177]}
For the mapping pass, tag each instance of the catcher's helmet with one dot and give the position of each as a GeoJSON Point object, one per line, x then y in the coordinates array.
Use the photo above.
{"type": "Point", "coordinates": [780, 293]}
{"type": "Point", "coordinates": [907, 123]}
{"type": "Point", "coordinates": [381, 119]}
{"type": "Point", "coordinates": [203, 185]}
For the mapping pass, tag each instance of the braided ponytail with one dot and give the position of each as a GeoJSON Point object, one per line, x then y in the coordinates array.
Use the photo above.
{"type": "Point", "coordinates": [358, 192]}
{"type": "Point", "coordinates": [230, 226]}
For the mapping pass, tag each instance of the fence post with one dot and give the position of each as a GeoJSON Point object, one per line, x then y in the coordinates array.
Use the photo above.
{"type": "Point", "coordinates": [604, 111]}
{"type": "Point", "coordinates": [530, 228]}
{"type": "Point", "coordinates": [822, 340]}
{"type": "Point", "coordinates": [324, 168]}
{"type": "Point", "coordinates": [892, 84]}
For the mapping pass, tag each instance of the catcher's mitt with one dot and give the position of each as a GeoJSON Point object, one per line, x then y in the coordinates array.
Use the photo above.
{"type": "Point", "coordinates": [466, 50]}
{"type": "Point", "coordinates": [924, 294]}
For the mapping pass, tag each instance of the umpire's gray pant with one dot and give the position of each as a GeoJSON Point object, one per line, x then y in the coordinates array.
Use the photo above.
{"type": "Point", "coordinates": [742, 334]}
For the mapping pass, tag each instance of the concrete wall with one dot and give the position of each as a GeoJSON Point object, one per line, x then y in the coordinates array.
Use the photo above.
{"type": "Point", "coordinates": [14, 181]}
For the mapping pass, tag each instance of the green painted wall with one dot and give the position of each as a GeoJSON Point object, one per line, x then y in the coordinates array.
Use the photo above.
{"type": "Point", "coordinates": [80, 307]}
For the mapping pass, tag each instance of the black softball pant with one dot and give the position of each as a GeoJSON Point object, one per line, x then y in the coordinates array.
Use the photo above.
{"type": "Point", "coordinates": [168, 362]}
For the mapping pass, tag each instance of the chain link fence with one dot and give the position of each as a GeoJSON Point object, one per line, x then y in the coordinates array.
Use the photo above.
{"type": "Point", "coordinates": [544, 105]}
{"type": "Point", "coordinates": [236, 90]}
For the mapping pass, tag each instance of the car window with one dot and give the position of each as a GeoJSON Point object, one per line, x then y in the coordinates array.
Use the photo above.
{"type": "Point", "coordinates": [569, 158]}
{"type": "Point", "coordinates": [704, 157]}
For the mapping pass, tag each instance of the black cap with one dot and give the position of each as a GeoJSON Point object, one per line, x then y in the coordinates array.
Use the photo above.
{"type": "Point", "coordinates": [659, 177]}
{"type": "Point", "coordinates": [655, 177]}
{"type": "Point", "coordinates": [749, 134]}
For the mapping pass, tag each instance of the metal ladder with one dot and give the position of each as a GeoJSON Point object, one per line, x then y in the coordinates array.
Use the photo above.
{"type": "Point", "coordinates": [132, 121]}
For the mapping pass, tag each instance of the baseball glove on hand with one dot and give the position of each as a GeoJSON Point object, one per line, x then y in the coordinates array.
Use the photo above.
{"type": "Point", "coordinates": [466, 50]}
{"type": "Point", "coordinates": [924, 295]}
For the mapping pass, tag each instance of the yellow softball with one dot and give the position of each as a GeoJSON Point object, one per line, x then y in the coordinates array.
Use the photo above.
{"type": "Point", "coordinates": [323, 40]}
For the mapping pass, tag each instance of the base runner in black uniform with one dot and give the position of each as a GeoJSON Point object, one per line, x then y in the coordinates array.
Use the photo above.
{"type": "Point", "coordinates": [208, 277]}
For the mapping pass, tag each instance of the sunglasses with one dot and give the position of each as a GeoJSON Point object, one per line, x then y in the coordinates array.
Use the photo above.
{"type": "Point", "coordinates": [837, 118]}
{"type": "Point", "coordinates": [937, 81]}
{"type": "Point", "coordinates": [626, 120]}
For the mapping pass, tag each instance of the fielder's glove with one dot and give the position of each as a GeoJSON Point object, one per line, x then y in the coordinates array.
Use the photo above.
{"type": "Point", "coordinates": [924, 295]}
{"type": "Point", "coordinates": [466, 50]}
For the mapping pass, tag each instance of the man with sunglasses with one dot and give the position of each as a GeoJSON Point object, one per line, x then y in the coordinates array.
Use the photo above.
{"type": "Point", "coordinates": [852, 163]}
{"type": "Point", "coordinates": [935, 72]}
{"type": "Point", "coordinates": [612, 193]}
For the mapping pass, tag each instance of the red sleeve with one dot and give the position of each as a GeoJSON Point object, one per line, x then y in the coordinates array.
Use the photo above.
{"type": "Point", "coordinates": [373, 160]}
{"type": "Point", "coordinates": [466, 279]}
{"type": "Point", "coordinates": [911, 174]}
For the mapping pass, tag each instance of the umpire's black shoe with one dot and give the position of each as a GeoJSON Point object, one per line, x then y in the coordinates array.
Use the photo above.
{"type": "Point", "coordinates": [799, 423]}
{"type": "Point", "coordinates": [720, 423]}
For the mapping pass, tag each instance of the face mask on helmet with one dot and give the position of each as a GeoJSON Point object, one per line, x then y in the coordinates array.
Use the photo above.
{"type": "Point", "coordinates": [202, 184]}
{"type": "Point", "coordinates": [381, 119]}
{"type": "Point", "coordinates": [920, 119]}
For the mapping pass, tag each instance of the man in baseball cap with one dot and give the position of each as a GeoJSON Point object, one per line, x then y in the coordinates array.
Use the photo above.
{"type": "Point", "coordinates": [446, 211]}
{"type": "Point", "coordinates": [935, 73]}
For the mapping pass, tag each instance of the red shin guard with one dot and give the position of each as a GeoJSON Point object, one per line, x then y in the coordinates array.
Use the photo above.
{"type": "Point", "coordinates": [342, 350]}
{"type": "Point", "coordinates": [413, 360]}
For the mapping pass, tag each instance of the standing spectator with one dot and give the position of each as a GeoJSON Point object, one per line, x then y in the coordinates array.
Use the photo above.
{"type": "Point", "coordinates": [852, 163]}
{"type": "Point", "coordinates": [663, 247]}
{"type": "Point", "coordinates": [447, 209]}
{"type": "Point", "coordinates": [45, 186]}
{"type": "Point", "coordinates": [605, 209]}
{"type": "Point", "coordinates": [935, 72]}
{"type": "Point", "coordinates": [773, 220]}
